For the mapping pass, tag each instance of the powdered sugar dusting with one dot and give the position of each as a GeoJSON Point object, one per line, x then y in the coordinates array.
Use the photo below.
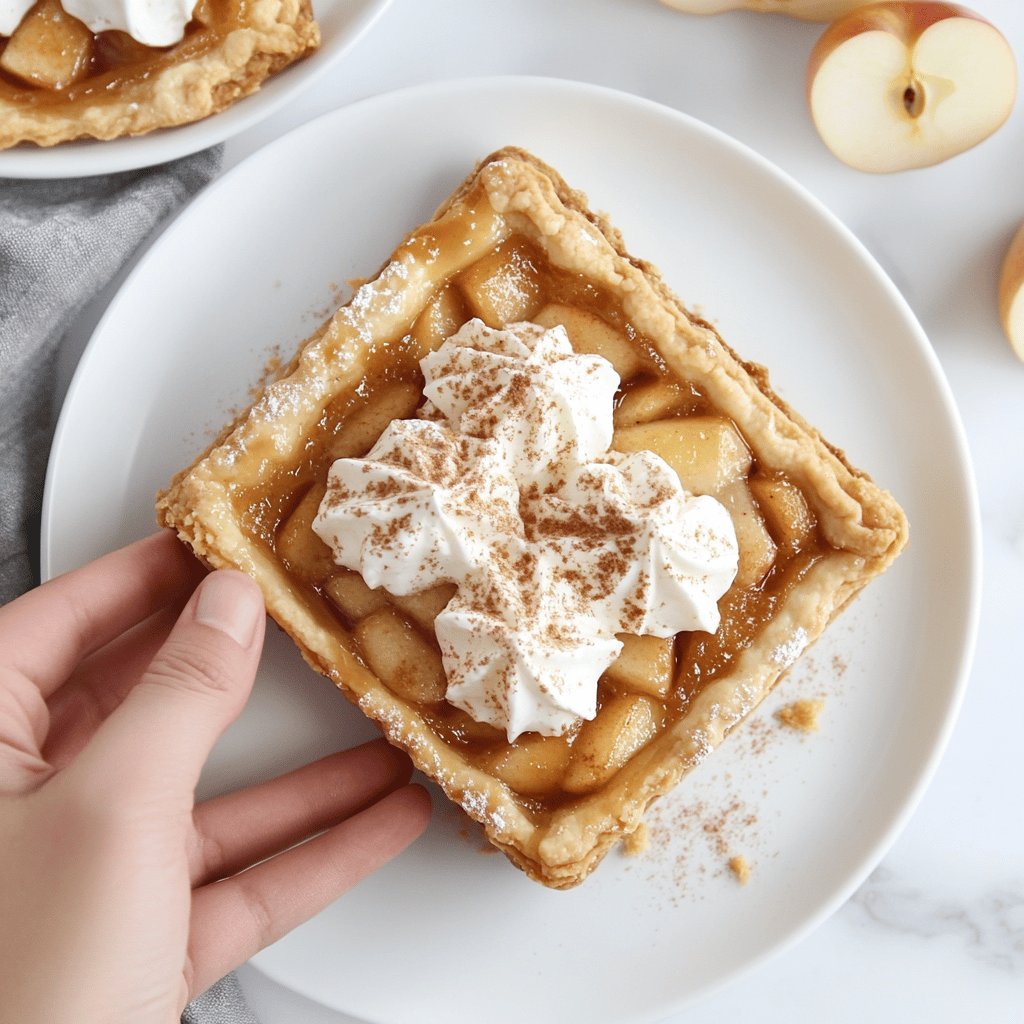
{"type": "Point", "coordinates": [785, 654]}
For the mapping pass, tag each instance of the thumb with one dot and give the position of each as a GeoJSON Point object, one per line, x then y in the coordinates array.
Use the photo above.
{"type": "Point", "coordinates": [159, 738]}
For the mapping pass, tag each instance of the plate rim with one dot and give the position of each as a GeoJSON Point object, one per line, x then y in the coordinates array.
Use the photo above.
{"type": "Point", "coordinates": [918, 782]}
{"type": "Point", "coordinates": [87, 158]}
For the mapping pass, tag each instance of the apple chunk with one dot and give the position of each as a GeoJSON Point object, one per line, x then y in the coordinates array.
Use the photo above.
{"type": "Point", "coordinates": [808, 10]}
{"type": "Point", "coordinates": [893, 86]}
{"type": "Point", "coordinates": [1011, 293]}
{"type": "Point", "coordinates": [440, 320]}
{"type": "Point", "coordinates": [360, 430]}
{"type": "Point", "coordinates": [352, 597]}
{"type": "Point", "coordinates": [657, 399]}
{"type": "Point", "coordinates": [301, 550]}
{"type": "Point", "coordinates": [533, 765]}
{"type": "Point", "coordinates": [622, 727]}
{"type": "Point", "coordinates": [706, 452]}
{"type": "Point", "coordinates": [398, 655]}
{"type": "Point", "coordinates": [49, 49]}
{"type": "Point", "coordinates": [588, 333]}
{"type": "Point", "coordinates": [502, 288]}
{"type": "Point", "coordinates": [644, 665]}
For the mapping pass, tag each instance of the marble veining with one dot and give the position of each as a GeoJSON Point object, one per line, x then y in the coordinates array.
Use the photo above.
{"type": "Point", "coordinates": [990, 926]}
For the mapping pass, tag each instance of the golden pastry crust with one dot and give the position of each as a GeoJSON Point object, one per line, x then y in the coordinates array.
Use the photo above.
{"type": "Point", "coordinates": [180, 89]}
{"type": "Point", "coordinates": [513, 194]}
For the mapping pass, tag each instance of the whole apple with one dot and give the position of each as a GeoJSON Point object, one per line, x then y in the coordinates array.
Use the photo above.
{"type": "Point", "coordinates": [809, 10]}
{"type": "Point", "coordinates": [892, 86]}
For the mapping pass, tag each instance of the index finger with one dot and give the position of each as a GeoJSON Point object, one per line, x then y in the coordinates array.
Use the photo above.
{"type": "Point", "coordinates": [45, 633]}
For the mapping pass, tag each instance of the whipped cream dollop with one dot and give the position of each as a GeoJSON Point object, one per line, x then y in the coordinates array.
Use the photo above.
{"type": "Point", "coordinates": [505, 487]}
{"type": "Point", "coordinates": [150, 22]}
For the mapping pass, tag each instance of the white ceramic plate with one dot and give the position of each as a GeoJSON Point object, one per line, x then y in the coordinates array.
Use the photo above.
{"type": "Point", "coordinates": [342, 23]}
{"type": "Point", "coordinates": [446, 933]}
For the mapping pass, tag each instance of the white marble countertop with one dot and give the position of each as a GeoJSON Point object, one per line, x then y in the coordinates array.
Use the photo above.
{"type": "Point", "coordinates": [937, 933]}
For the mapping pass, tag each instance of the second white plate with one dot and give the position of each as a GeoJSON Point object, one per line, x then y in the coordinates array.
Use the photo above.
{"type": "Point", "coordinates": [446, 934]}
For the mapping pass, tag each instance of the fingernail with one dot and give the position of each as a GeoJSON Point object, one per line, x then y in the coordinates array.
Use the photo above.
{"type": "Point", "coordinates": [230, 603]}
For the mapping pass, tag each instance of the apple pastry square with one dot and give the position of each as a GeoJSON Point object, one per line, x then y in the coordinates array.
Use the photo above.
{"type": "Point", "coordinates": [515, 245]}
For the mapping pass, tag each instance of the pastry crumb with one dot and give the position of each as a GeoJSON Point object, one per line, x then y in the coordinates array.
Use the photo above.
{"type": "Point", "coordinates": [740, 867]}
{"type": "Point", "coordinates": [636, 842]}
{"type": "Point", "coordinates": [801, 715]}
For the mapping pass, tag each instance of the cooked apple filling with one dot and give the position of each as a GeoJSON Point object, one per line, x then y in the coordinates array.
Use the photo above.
{"type": "Point", "coordinates": [53, 58]}
{"type": "Point", "coordinates": [60, 81]}
{"type": "Point", "coordinates": [515, 244]}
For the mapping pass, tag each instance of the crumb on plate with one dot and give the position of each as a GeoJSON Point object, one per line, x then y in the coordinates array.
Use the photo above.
{"type": "Point", "coordinates": [801, 714]}
{"type": "Point", "coordinates": [636, 842]}
{"type": "Point", "coordinates": [740, 867]}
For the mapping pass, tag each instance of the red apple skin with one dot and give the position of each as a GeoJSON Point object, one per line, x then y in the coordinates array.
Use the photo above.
{"type": "Point", "coordinates": [905, 20]}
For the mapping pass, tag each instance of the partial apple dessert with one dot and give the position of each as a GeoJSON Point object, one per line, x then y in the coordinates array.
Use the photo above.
{"type": "Point", "coordinates": [102, 69]}
{"type": "Point", "coordinates": [535, 519]}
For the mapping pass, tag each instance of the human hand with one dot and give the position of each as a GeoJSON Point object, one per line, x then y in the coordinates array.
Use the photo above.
{"type": "Point", "coordinates": [122, 899]}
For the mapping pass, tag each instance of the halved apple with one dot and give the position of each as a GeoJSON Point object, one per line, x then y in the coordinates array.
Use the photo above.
{"type": "Point", "coordinates": [892, 86]}
{"type": "Point", "coordinates": [1011, 293]}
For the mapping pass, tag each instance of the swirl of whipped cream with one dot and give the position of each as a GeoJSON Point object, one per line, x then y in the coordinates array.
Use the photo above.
{"type": "Point", "coordinates": [150, 22]}
{"type": "Point", "coordinates": [548, 406]}
{"type": "Point", "coordinates": [542, 687]}
{"type": "Point", "coordinates": [421, 509]}
{"type": "Point", "coordinates": [556, 544]}
{"type": "Point", "coordinates": [666, 556]}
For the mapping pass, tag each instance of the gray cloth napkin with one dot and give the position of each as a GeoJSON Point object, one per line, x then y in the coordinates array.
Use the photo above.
{"type": "Point", "coordinates": [221, 1004]}
{"type": "Point", "coordinates": [61, 242]}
